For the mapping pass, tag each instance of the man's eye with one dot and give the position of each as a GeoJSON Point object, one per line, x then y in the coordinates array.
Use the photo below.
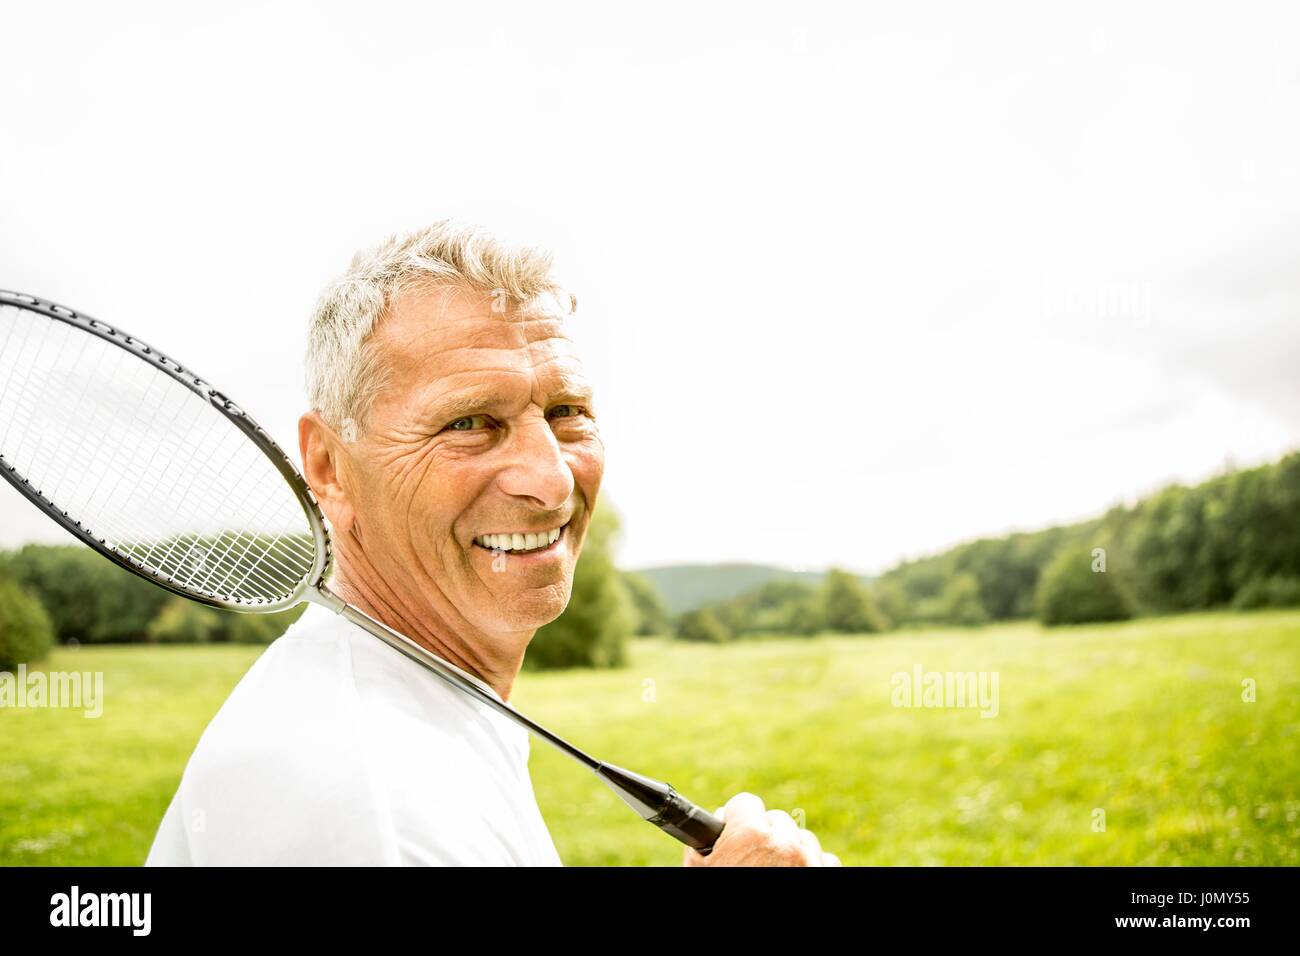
{"type": "Point", "coordinates": [567, 411]}
{"type": "Point", "coordinates": [468, 424]}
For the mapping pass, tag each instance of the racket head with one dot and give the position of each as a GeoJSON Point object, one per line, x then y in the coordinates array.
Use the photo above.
{"type": "Point", "coordinates": [222, 560]}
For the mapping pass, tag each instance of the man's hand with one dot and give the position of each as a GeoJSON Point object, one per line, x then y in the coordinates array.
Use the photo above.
{"type": "Point", "coordinates": [756, 836]}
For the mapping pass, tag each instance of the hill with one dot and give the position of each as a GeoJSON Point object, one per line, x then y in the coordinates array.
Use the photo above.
{"type": "Point", "coordinates": [688, 586]}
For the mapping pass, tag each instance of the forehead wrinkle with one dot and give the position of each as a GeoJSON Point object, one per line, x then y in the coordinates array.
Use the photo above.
{"type": "Point", "coordinates": [420, 354]}
{"type": "Point", "coordinates": [540, 381]}
{"type": "Point", "coordinates": [495, 361]}
{"type": "Point", "coordinates": [471, 332]}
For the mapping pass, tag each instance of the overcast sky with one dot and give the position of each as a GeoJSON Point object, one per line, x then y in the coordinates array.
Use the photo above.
{"type": "Point", "coordinates": [854, 285]}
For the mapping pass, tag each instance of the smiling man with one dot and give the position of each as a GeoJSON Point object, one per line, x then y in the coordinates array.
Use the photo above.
{"type": "Point", "coordinates": [452, 445]}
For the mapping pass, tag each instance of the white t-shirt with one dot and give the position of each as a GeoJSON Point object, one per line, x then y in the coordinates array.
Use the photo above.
{"type": "Point", "coordinates": [335, 749]}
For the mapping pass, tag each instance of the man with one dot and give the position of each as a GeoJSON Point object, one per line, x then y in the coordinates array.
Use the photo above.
{"type": "Point", "coordinates": [452, 445]}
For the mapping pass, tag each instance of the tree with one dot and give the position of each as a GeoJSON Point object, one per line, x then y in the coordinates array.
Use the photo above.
{"type": "Point", "coordinates": [961, 602]}
{"type": "Point", "coordinates": [702, 625]}
{"type": "Point", "coordinates": [1070, 591]}
{"type": "Point", "coordinates": [1164, 548]}
{"type": "Point", "coordinates": [1276, 591]}
{"type": "Point", "coordinates": [88, 597]}
{"type": "Point", "coordinates": [847, 606]}
{"type": "Point", "coordinates": [778, 606]}
{"type": "Point", "coordinates": [182, 621]}
{"type": "Point", "coordinates": [893, 602]}
{"type": "Point", "coordinates": [653, 616]}
{"type": "Point", "coordinates": [784, 606]}
{"type": "Point", "coordinates": [25, 631]}
{"type": "Point", "coordinates": [258, 628]}
{"type": "Point", "coordinates": [600, 617]}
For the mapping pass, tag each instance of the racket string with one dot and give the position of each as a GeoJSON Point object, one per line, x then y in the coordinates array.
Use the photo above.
{"type": "Point", "coordinates": [146, 465]}
{"type": "Point", "coordinates": [45, 388]}
{"type": "Point", "coordinates": [23, 393]}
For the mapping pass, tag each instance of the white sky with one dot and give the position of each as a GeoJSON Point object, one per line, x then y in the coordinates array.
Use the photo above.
{"type": "Point", "coordinates": [853, 285]}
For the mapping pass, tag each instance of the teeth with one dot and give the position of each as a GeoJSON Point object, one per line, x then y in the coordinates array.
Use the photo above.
{"type": "Point", "coordinates": [519, 542]}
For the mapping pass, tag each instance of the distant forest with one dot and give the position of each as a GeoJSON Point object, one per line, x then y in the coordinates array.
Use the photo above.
{"type": "Point", "coordinates": [1231, 541]}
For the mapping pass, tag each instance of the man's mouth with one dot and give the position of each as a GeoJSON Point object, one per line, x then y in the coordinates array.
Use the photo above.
{"type": "Point", "coordinates": [520, 541]}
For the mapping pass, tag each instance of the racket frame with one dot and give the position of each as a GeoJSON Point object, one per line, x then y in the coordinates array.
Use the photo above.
{"type": "Point", "coordinates": [323, 555]}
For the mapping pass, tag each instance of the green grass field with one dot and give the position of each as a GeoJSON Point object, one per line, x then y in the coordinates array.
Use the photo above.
{"type": "Point", "coordinates": [1144, 721]}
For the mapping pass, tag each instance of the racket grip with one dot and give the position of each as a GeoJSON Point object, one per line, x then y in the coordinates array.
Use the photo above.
{"type": "Point", "coordinates": [658, 803]}
{"type": "Point", "coordinates": [690, 823]}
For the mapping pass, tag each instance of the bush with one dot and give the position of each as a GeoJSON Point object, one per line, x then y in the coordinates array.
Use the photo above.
{"type": "Point", "coordinates": [88, 597]}
{"type": "Point", "coordinates": [1277, 591]}
{"type": "Point", "coordinates": [25, 631]}
{"type": "Point", "coordinates": [182, 621]}
{"type": "Point", "coordinates": [702, 625]}
{"type": "Point", "coordinates": [779, 606]}
{"type": "Point", "coordinates": [893, 602]}
{"type": "Point", "coordinates": [960, 602]}
{"type": "Point", "coordinates": [788, 607]}
{"type": "Point", "coordinates": [1071, 592]}
{"type": "Point", "coordinates": [847, 607]}
{"type": "Point", "coordinates": [258, 628]}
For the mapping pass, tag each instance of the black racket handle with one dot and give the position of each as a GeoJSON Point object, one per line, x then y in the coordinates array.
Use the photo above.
{"type": "Point", "coordinates": [689, 823]}
{"type": "Point", "coordinates": [658, 803]}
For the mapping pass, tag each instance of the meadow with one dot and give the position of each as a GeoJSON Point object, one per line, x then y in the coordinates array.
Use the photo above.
{"type": "Point", "coordinates": [1112, 744]}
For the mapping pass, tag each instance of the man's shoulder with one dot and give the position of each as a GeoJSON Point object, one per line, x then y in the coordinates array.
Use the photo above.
{"type": "Point", "coordinates": [309, 662]}
{"type": "Point", "coordinates": [290, 695]}
{"type": "Point", "coordinates": [335, 747]}
{"type": "Point", "coordinates": [280, 774]}
{"type": "Point", "coordinates": [327, 679]}
{"type": "Point", "coordinates": [324, 705]}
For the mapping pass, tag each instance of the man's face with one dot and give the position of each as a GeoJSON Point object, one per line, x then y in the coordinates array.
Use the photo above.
{"type": "Point", "coordinates": [484, 430]}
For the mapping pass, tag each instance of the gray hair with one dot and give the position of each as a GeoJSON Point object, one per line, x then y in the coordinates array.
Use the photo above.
{"type": "Point", "coordinates": [343, 371]}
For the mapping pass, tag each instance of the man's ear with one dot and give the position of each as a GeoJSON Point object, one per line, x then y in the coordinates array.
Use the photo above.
{"type": "Point", "coordinates": [322, 466]}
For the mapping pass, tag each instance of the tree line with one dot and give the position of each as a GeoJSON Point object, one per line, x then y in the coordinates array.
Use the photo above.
{"type": "Point", "coordinates": [69, 594]}
{"type": "Point", "coordinates": [1231, 541]}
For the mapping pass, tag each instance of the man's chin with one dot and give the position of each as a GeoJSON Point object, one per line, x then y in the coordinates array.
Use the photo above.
{"type": "Point", "coordinates": [529, 608]}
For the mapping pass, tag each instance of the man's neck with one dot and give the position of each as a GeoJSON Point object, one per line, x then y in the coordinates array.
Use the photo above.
{"type": "Point", "coordinates": [457, 643]}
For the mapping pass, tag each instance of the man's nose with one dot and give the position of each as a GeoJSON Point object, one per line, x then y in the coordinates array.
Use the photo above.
{"type": "Point", "coordinates": [537, 469]}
